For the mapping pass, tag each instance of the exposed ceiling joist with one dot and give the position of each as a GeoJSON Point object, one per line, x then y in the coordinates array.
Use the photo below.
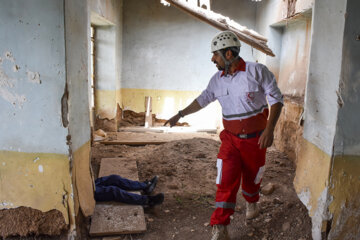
{"type": "Point", "coordinates": [221, 22]}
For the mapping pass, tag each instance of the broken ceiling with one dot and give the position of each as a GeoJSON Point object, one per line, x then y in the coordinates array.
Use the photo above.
{"type": "Point", "coordinates": [221, 22]}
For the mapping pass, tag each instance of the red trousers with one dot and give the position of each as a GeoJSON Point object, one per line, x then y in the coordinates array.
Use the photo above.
{"type": "Point", "coordinates": [238, 159]}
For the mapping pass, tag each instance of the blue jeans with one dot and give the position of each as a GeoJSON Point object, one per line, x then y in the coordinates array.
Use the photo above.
{"type": "Point", "coordinates": [114, 188]}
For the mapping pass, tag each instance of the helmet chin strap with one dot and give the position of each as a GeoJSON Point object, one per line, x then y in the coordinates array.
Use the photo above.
{"type": "Point", "coordinates": [227, 63]}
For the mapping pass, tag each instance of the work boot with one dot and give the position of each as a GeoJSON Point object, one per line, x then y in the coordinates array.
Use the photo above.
{"type": "Point", "coordinates": [219, 232]}
{"type": "Point", "coordinates": [252, 210]}
{"type": "Point", "coordinates": [150, 185]}
{"type": "Point", "coordinates": [155, 200]}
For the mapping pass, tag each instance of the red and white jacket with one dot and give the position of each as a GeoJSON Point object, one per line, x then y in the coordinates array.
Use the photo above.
{"type": "Point", "coordinates": [243, 96]}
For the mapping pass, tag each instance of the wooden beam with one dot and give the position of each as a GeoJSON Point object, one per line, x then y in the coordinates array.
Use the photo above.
{"type": "Point", "coordinates": [133, 143]}
{"type": "Point", "coordinates": [223, 23]}
{"type": "Point", "coordinates": [148, 112]}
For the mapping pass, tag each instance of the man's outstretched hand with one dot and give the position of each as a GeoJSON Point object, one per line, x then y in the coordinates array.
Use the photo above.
{"type": "Point", "coordinates": [172, 121]}
{"type": "Point", "coordinates": [193, 107]}
{"type": "Point", "coordinates": [266, 139]}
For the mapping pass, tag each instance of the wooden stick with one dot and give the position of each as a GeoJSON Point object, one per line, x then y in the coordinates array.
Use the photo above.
{"type": "Point", "coordinates": [248, 36]}
{"type": "Point", "coordinates": [133, 143]}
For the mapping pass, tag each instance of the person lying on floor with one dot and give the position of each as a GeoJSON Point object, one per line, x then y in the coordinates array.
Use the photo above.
{"type": "Point", "coordinates": [115, 188]}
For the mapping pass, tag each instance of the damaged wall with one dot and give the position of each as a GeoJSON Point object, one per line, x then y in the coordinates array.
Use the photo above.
{"type": "Point", "coordinates": [167, 56]}
{"type": "Point", "coordinates": [294, 60]}
{"type": "Point", "coordinates": [76, 37]}
{"type": "Point", "coordinates": [34, 161]}
{"type": "Point", "coordinates": [331, 136]}
{"type": "Point", "coordinates": [288, 28]}
{"type": "Point", "coordinates": [321, 110]}
{"type": "Point", "coordinates": [105, 74]}
{"type": "Point", "coordinates": [327, 156]}
{"type": "Point", "coordinates": [272, 22]}
{"type": "Point", "coordinates": [106, 17]}
{"type": "Point", "coordinates": [345, 177]}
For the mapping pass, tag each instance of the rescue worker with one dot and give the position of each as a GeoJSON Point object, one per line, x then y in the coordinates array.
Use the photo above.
{"type": "Point", "coordinates": [244, 90]}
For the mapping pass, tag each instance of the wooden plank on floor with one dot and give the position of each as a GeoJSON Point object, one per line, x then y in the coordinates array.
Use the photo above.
{"type": "Point", "coordinates": [143, 138]}
{"type": "Point", "coordinates": [132, 143]}
{"type": "Point", "coordinates": [132, 138]}
{"type": "Point", "coordinates": [112, 218]}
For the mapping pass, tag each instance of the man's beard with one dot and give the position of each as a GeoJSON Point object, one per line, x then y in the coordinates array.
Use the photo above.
{"type": "Point", "coordinates": [220, 68]}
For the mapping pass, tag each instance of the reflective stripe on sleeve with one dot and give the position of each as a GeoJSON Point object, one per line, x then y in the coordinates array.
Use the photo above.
{"type": "Point", "coordinates": [247, 113]}
{"type": "Point", "coordinates": [225, 205]}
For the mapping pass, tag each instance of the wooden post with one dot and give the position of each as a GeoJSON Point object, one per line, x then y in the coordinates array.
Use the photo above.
{"type": "Point", "coordinates": [148, 111]}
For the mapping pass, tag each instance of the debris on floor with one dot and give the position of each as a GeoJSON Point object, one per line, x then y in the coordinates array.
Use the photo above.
{"type": "Point", "coordinates": [99, 135]}
{"type": "Point", "coordinates": [187, 173]}
{"type": "Point", "coordinates": [131, 118]}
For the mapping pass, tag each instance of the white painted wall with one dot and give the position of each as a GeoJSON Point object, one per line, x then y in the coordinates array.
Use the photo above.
{"type": "Point", "coordinates": [105, 60]}
{"type": "Point", "coordinates": [268, 13]}
{"type": "Point", "coordinates": [294, 58]}
{"type": "Point", "coordinates": [106, 8]}
{"type": "Point", "coordinates": [271, 22]}
{"type": "Point", "coordinates": [165, 48]}
{"type": "Point", "coordinates": [321, 106]}
{"type": "Point", "coordinates": [76, 23]}
{"type": "Point", "coordinates": [304, 5]}
{"type": "Point", "coordinates": [30, 104]}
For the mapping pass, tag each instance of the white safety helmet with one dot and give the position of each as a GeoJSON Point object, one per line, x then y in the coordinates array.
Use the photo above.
{"type": "Point", "coordinates": [223, 40]}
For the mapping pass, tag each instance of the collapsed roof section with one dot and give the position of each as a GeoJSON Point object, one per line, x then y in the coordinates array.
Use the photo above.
{"type": "Point", "coordinates": [221, 22]}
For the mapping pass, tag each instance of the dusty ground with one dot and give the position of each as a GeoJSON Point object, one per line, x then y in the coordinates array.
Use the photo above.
{"type": "Point", "coordinates": [187, 171]}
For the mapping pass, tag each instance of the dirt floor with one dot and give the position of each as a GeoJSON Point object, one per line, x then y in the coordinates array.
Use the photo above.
{"type": "Point", "coordinates": [187, 173]}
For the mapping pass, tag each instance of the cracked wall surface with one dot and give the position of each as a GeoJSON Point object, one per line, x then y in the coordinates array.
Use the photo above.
{"type": "Point", "coordinates": [331, 135]}
{"type": "Point", "coordinates": [327, 174]}
{"type": "Point", "coordinates": [34, 155]}
{"type": "Point", "coordinates": [76, 37]}
{"type": "Point", "coordinates": [40, 181]}
{"type": "Point", "coordinates": [345, 178]}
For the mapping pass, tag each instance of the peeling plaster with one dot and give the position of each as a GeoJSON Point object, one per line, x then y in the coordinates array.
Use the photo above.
{"type": "Point", "coordinates": [33, 77]}
{"type": "Point", "coordinates": [13, 98]}
{"type": "Point", "coordinates": [7, 83]}
{"type": "Point", "coordinates": [65, 107]}
{"type": "Point", "coordinates": [321, 214]}
{"type": "Point", "coordinates": [9, 56]}
{"type": "Point", "coordinates": [347, 213]}
{"type": "Point", "coordinates": [304, 197]}
{"type": "Point", "coordinates": [6, 204]}
{"type": "Point", "coordinates": [340, 100]}
{"type": "Point", "coordinates": [291, 7]}
{"type": "Point", "coordinates": [16, 68]}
